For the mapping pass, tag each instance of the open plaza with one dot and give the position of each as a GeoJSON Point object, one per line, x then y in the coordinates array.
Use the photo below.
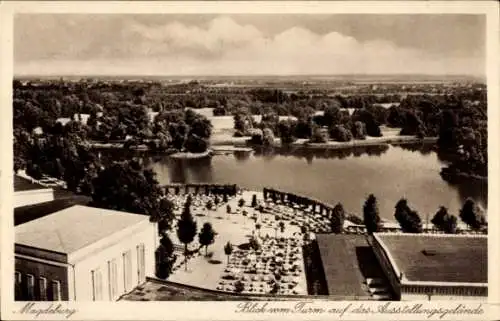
{"type": "Point", "coordinates": [280, 251]}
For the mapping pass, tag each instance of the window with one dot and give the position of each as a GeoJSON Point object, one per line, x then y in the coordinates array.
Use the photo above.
{"type": "Point", "coordinates": [140, 263]}
{"type": "Point", "coordinates": [97, 285]}
{"type": "Point", "coordinates": [113, 279]}
{"type": "Point", "coordinates": [18, 283]}
{"type": "Point", "coordinates": [56, 290]}
{"type": "Point", "coordinates": [30, 287]}
{"type": "Point", "coordinates": [127, 270]}
{"type": "Point", "coordinates": [18, 277]}
{"type": "Point", "coordinates": [42, 288]}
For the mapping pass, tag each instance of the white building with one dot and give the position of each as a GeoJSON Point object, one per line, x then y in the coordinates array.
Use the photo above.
{"type": "Point", "coordinates": [434, 266]}
{"type": "Point", "coordinates": [27, 192]}
{"type": "Point", "coordinates": [83, 253]}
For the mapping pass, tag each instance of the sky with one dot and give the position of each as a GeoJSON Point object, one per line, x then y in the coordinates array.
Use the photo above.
{"type": "Point", "coordinates": [256, 44]}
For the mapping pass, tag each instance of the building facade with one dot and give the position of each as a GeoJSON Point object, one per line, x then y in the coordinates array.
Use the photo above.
{"type": "Point", "coordinates": [83, 253]}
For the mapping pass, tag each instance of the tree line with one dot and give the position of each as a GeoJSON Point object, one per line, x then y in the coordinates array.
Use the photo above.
{"type": "Point", "coordinates": [409, 219]}
{"type": "Point", "coordinates": [45, 146]}
{"type": "Point", "coordinates": [459, 124]}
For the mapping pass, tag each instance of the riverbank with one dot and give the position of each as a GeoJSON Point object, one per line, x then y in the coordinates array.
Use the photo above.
{"type": "Point", "coordinates": [450, 174]}
{"type": "Point", "coordinates": [171, 152]}
{"type": "Point", "coordinates": [369, 141]}
{"type": "Point", "coordinates": [227, 140]}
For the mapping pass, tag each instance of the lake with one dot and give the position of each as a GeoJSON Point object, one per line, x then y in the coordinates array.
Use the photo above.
{"type": "Point", "coordinates": [346, 176]}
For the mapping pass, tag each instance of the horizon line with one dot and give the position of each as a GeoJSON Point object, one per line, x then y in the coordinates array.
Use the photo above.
{"type": "Point", "coordinates": [255, 75]}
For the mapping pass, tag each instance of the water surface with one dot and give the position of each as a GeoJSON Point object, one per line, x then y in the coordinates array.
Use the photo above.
{"type": "Point", "coordinates": [346, 176]}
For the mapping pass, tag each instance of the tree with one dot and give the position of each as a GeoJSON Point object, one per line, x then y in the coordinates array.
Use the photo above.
{"type": "Point", "coordinates": [129, 187]}
{"type": "Point", "coordinates": [440, 217]}
{"type": "Point", "coordinates": [267, 137]}
{"type": "Point", "coordinates": [165, 257]}
{"type": "Point", "coordinates": [359, 130]}
{"type": "Point", "coordinates": [239, 286]}
{"type": "Point", "coordinates": [228, 249]}
{"type": "Point", "coordinates": [282, 227]}
{"type": "Point", "coordinates": [186, 229]}
{"type": "Point", "coordinates": [195, 144]}
{"type": "Point", "coordinates": [472, 215]}
{"type": "Point", "coordinates": [225, 199]}
{"type": "Point", "coordinates": [217, 200]}
{"type": "Point", "coordinates": [450, 225]}
{"type": "Point", "coordinates": [319, 135]}
{"type": "Point", "coordinates": [340, 133]}
{"type": "Point", "coordinates": [243, 121]}
{"type": "Point", "coordinates": [209, 205]}
{"type": "Point", "coordinates": [189, 200]}
{"type": "Point", "coordinates": [241, 202]}
{"type": "Point", "coordinates": [413, 125]}
{"type": "Point", "coordinates": [275, 288]}
{"type": "Point", "coordinates": [337, 219]}
{"type": "Point", "coordinates": [254, 200]}
{"type": "Point", "coordinates": [304, 231]}
{"type": "Point", "coordinates": [286, 131]}
{"type": "Point", "coordinates": [408, 219]}
{"type": "Point", "coordinates": [332, 115]}
{"type": "Point", "coordinates": [368, 118]}
{"type": "Point", "coordinates": [166, 215]}
{"type": "Point", "coordinates": [370, 215]}
{"type": "Point", "coordinates": [257, 227]}
{"type": "Point", "coordinates": [395, 117]}
{"type": "Point", "coordinates": [207, 236]}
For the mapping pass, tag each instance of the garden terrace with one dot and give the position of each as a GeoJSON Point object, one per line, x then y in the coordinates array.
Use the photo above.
{"type": "Point", "coordinates": [237, 227]}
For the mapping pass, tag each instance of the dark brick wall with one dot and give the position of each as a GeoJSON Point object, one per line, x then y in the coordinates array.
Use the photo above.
{"type": "Point", "coordinates": [37, 269]}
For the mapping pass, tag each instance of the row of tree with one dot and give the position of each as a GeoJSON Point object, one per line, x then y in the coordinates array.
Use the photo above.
{"type": "Point", "coordinates": [186, 233]}
{"type": "Point", "coordinates": [409, 220]}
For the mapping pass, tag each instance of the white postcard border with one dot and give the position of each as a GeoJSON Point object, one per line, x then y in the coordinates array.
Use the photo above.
{"type": "Point", "coordinates": [227, 310]}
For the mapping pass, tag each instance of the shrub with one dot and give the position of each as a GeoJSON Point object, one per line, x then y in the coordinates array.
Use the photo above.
{"type": "Point", "coordinates": [239, 287]}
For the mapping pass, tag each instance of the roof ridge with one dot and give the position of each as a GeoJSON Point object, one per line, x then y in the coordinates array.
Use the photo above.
{"type": "Point", "coordinates": [60, 240]}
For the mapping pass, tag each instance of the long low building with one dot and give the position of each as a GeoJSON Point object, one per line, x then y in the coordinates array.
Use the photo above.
{"type": "Point", "coordinates": [348, 262]}
{"type": "Point", "coordinates": [434, 266]}
{"type": "Point", "coordinates": [83, 253]}
{"type": "Point", "coordinates": [27, 192]}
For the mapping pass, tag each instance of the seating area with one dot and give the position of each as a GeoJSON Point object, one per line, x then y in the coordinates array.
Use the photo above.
{"type": "Point", "coordinates": [300, 216]}
{"type": "Point", "coordinates": [198, 204]}
{"type": "Point", "coordinates": [276, 267]}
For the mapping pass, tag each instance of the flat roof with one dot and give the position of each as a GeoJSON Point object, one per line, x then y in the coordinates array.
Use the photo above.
{"type": "Point", "coordinates": [22, 184]}
{"type": "Point", "coordinates": [74, 228]}
{"type": "Point", "coordinates": [347, 261]}
{"type": "Point", "coordinates": [27, 213]}
{"type": "Point", "coordinates": [438, 258]}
